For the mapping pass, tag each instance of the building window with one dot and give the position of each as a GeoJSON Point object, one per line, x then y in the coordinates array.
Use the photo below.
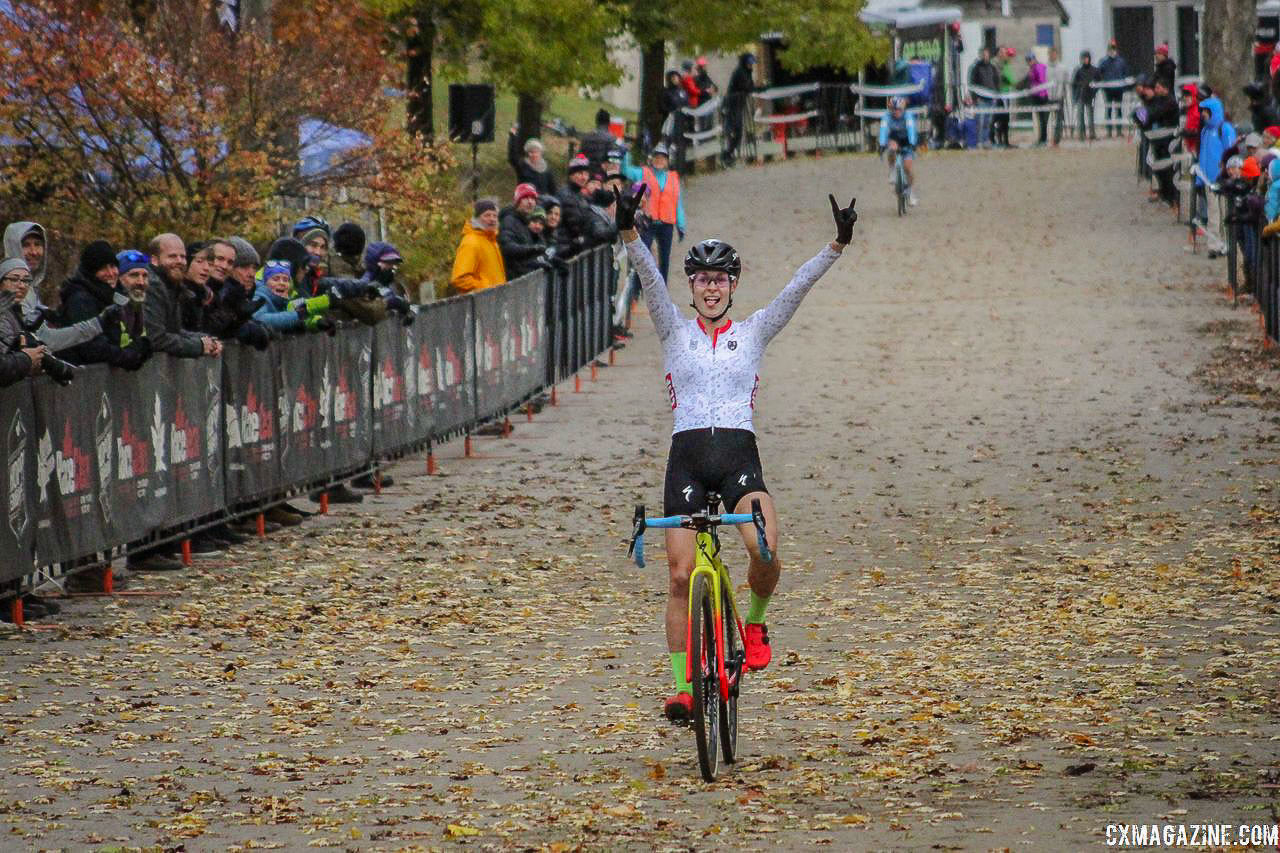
{"type": "Point", "coordinates": [1044, 35]}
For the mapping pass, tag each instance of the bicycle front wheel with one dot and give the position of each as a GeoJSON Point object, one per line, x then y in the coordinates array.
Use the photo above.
{"type": "Point", "coordinates": [706, 684]}
{"type": "Point", "coordinates": [900, 184]}
{"type": "Point", "coordinates": [733, 667]}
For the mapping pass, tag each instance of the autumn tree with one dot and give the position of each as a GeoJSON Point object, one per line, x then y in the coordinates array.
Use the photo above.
{"type": "Point", "coordinates": [125, 119]}
{"type": "Point", "coordinates": [1229, 27]}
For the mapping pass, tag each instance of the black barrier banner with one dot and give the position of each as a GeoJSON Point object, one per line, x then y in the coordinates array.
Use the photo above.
{"type": "Point", "coordinates": [18, 482]}
{"type": "Point", "coordinates": [194, 433]}
{"type": "Point", "coordinates": [133, 468]}
{"type": "Point", "coordinates": [396, 405]}
{"type": "Point", "coordinates": [444, 337]}
{"type": "Point", "coordinates": [510, 349]}
{"type": "Point", "coordinates": [73, 430]}
{"type": "Point", "coordinates": [250, 395]}
{"type": "Point", "coordinates": [324, 407]}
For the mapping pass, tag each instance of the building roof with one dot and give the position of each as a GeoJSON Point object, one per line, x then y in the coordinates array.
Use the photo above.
{"type": "Point", "coordinates": [917, 13]}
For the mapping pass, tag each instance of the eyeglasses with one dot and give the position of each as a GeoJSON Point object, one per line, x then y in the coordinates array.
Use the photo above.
{"type": "Point", "coordinates": [9, 279]}
{"type": "Point", "coordinates": [702, 279]}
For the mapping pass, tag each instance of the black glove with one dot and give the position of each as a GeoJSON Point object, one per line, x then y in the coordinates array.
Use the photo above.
{"type": "Point", "coordinates": [370, 291]}
{"type": "Point", "coordinates": [111, 316]}
{"type": "Point", "coordinates": [325, 324]}
{"type": "Point", "coordinates": [254, 334]}
{"type": "Point", "coordinates": [628, 204]}
{"type": "Point", "coordinates": [134, 355]}
{"type": "Point", "coordinates": [844, 220]}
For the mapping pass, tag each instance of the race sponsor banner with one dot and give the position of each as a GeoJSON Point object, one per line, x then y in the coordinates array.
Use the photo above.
{"type": "Point", "coordinates": [249, 396]}
{"type": "Point", "coordinates": [194, 436]}
{"type": "Point", "coordinates": [17, 481]}
{"type": "Point", "coordinates": [133, 468]}
{"type": "Point", "coordinates": [510, 356]}
{"type": "Point", "coordinates": [323, 404]}
{"type": "Point", "coordinates": [72, 431]}
{"type": "Point", "coordinates": [396, 407]}
{"type": "Point", "coordinates": [444, 337]}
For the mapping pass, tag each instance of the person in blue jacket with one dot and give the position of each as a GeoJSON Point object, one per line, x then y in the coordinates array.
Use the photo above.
{"type": "Point", "coordinates": [1272, 207]}
{"type": "Point", "coordinates": [898, 138]}
{"type": "Point", "coordinates": [1216, 135]}
{"type": "Point", "coordinates": [286, 314]}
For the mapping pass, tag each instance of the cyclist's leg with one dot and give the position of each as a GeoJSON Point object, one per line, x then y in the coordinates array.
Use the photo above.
{"type": "Point", "coordinates": [681, 545]}
{"type": "Point", "coordinates": [909, 164]}
{"type": "Point", "coordinates": [762, 576]}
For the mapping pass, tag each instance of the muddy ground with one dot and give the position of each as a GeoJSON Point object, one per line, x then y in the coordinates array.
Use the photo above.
{"type": "Point", "coordinates": [1027, 462]}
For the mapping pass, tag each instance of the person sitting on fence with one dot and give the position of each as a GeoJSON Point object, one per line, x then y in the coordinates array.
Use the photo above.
{"type": "Point", "coordinates": [573, 206]}
{"type": "Point", "coordinates": [596, 144]}
{"type": "Point", "coordinates": [1216, 136]}
{"type": "Point", "coordinates": [1113, 69]}
{"type": "Point", "coordinates": [478, 262]}
{"type": "Point", "coordinates": [898, 139]}
{"type": "Point", "coordinates": [164, 307]}
{"type": "Point", "coordinates": [104, 278]}
{"type": "Point", "coordinates": [664, 205]}
{"type": "Point", "coordinates": [522, 251]}
{"type": "Point", "coordinates": [531, 165]}
{"type": "Point", "coordinates": [1082, 92]}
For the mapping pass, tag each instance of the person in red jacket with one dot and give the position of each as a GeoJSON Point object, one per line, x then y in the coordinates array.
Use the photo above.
{"type": "Point", "coordinates": [689, 83]}
{"type": "Point", "coordinates": [1190, 104]}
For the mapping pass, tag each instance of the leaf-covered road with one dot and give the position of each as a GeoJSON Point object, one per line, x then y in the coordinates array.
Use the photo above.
{"type": "Point", "coordinates": [1027, 465]}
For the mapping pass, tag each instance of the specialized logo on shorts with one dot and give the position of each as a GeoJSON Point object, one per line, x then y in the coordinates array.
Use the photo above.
{"type": "Point", "coordinates": [742, 481]}
{"type": "Point", "coordinates": [687, 491]}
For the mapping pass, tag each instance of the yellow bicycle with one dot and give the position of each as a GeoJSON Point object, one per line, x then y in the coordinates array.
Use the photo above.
{"type": "Point", "coordinates": [715, 659]}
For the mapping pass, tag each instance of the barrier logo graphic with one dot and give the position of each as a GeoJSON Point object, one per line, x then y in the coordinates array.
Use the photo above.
{"type": "Point", "coordinates": [105, 441]}
{"type": "Point", "coordinates": [17, 440]}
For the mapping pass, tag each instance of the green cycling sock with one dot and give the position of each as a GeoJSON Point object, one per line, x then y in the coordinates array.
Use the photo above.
{"type": "Point", "coordinates": [755, 612]}
{"type": "Point", "coordinates": [678, 660]}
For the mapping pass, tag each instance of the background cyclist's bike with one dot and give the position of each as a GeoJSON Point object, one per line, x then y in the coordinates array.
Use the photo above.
{"type": "Point", "coordinates": [715, 660]}
{"type": "Point", "coordinates": [900, 186]}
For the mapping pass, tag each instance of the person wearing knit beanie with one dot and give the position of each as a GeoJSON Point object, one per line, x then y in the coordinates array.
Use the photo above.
{"type": "Point", "coordinates": [524, 191]}
{"type": "Point", "coordinates": [131, 259]}
{"type": "Point", "coordinates": [483, 205]}
{"type": "Point", "coordinates": [349, 240]}
{"type": "Point", "coordinates": [98, 260]}
{"type": "Point", "coordinates": [246, 255]}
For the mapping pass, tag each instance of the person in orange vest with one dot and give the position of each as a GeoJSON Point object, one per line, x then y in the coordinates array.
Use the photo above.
{"type": "Point", "coordinates": [478, 263]}
{"type": "Point", "coordinates": [664, 203]}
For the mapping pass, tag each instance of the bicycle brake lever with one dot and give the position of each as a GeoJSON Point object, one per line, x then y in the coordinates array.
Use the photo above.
{"type": "Point", "coordinates": [636, 547]}
{"type": "Point", "coordinates": [757, 518]}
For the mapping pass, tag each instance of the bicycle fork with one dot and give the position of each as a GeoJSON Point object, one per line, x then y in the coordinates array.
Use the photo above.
{"type": "Point", "coordinates": [705, 566]}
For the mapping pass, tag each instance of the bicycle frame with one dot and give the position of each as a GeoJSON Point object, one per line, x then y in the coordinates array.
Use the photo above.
{"type": "Point", "coordinates": [707, 562]}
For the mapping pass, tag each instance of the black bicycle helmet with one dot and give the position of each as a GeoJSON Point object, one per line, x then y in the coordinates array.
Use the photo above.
{"type": "Point", "coordinates": [712, 255]}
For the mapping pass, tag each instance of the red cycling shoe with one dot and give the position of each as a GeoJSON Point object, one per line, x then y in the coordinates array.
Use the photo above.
{"type": "Point", "coordinates": [757, 646]}
{"type": "Point", "coordinates": [679, 708]}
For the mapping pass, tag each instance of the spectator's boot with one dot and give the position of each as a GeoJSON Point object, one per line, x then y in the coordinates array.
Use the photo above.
{"type": "Point", "coordinates": [340, 494]}
{"type": "Point", "coordinates": [279, 515]}
{"type": "Point", "coordinates": [153, 561]}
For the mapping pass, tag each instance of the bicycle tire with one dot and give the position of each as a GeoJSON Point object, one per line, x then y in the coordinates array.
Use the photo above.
{"type": "Point", "coordinates": [729, 710]}
{"type": "Point", "coordinates": [900, 187]}
{"type": "Point", "coordinates": [706, 686]}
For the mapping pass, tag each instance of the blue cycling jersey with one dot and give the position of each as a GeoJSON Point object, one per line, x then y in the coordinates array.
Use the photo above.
{"type": "Point", "coordinates": [901, 129]}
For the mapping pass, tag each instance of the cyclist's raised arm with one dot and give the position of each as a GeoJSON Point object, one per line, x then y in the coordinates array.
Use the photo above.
{"type": "Point", "coordinates": [656, 298]}
{"type": "Point", "coordinates": [777, 313]}
{"type": "Point", "coordinates": [661, 309]}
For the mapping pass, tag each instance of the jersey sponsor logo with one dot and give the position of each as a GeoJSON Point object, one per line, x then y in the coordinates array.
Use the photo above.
{"type": "Point", "coordinates": [687, 491]}
{"type": "Point", "coordinates": [671, 391]}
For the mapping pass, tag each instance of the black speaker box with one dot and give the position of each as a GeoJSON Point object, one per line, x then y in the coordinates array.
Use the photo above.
{"type": "Point", "coordinates": [471, 112]}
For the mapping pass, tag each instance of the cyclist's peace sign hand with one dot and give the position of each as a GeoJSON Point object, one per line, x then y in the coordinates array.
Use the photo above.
{"type": "Point", "coordinates": [844, 220]}
{"type": "Point", "coordinates": [628, 204]}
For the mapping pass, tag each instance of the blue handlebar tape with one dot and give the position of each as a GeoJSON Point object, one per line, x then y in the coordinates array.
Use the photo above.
{"type": "Point", "coordinates": [669, 521]}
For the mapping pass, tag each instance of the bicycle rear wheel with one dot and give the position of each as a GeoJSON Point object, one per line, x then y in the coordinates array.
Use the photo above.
{"type": "Point", "coordinates": [733, 669]}
{"type": "Point", "coordinates": [900, 186]}
{"type": "Point", "coordinates": [706, 685]}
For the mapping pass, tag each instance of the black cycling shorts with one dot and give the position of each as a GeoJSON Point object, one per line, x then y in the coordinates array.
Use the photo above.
{"type": "Point", "coordinates": [725, 461]}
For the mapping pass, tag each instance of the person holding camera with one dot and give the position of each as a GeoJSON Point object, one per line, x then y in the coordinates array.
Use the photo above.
{"type": "Point", "coordinates": [15, 338]}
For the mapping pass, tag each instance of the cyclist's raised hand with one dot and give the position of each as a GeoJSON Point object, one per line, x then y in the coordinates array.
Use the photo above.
{"type": "Point", "coordinates": [844, 217]}
{"type": "Point", "coordinates": [628, 204]}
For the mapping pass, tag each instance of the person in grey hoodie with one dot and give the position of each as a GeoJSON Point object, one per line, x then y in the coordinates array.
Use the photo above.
{"type": "Point", "coordinates": [26, 240]}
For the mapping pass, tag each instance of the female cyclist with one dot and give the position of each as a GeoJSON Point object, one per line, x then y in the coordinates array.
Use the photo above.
{"type": "Point", "coordinates": [712, 367]}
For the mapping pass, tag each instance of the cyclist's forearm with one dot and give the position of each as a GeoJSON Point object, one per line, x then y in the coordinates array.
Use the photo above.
{"type": "Point", "coordinates": [661, 308]}
{"type": "Point", "coordinates": [778, 313]}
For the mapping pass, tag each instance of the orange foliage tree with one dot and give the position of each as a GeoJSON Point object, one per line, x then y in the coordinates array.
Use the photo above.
{"type": "Point", "coordinates": [122, 119]}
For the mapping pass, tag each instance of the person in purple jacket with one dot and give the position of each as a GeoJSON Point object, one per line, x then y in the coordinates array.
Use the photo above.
{"type": "Point", "coordinates": [1036, 83]}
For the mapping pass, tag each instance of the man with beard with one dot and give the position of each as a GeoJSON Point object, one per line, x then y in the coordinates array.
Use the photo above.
{"type": "Point", "coordinates": [230, 315]}
{"type": "Point", "coordinates": [96, 285]}
{"type": "Point", "coordinates": [164, 307]}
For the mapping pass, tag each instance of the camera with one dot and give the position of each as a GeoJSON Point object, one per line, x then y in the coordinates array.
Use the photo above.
{"type": "Point", "coordinates": [55, 368]}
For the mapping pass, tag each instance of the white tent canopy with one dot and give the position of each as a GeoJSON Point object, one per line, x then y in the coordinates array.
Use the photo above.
{"type": "Point", "coordinates": [900, 14]}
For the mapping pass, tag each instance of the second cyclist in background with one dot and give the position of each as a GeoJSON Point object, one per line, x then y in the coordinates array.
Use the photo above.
{"type": "Point", "coordinates": [898, 138]}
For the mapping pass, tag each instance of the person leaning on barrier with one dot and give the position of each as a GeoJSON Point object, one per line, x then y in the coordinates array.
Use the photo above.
{"type": "Point", "coordinates": [381, 263]}
{"type": "Point", "coordinates": [573, 206]}
{"type": "Point", "coordinates": [983, 74]}
{"type": "Point", "coordinates": [1216, 136]}
{"type": "Point", "coordinates": [521, 250]}
{"type": "Point", "coordinates": [349, 243]}
{"type": "Point", "coordinates": [532, 167]}
{"type": "Point", "coordinates": [552, 233]}
{"type": "Point", "coordinates": [1060, 81]}
{"type": "Point", "coordinates": [1113, 69]}
{"type": "Point", "coordinates": [281, 310]}
{"type": "Point", "coordinates": [26, 240]}
{"type": "Point", "coordinates": [478, 262]}
{"type": "Point", "coordinates": [1162, 115]}
{"type": "Point", "coordinates": [102, 279]}
{"type": "Point", "coordinates": [163, 310]}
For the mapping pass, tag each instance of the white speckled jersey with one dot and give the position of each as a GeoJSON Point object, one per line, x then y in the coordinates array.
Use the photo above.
{"type": "Point", "coordinates": [712, 379]}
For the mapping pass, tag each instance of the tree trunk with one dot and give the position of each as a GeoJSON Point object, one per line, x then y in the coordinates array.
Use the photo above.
{"type": "Point", "coordinates": [1228, 58]}
{"type": "Point", "coordinates": [528, 117]}
{"type": "Point", "coordinates": [653, 58]}
{"type": "Point", "coordinates": [419, 43]}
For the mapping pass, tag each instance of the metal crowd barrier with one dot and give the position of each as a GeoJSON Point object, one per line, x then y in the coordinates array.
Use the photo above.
{"type": "Point", "coordinates": [126, 459]}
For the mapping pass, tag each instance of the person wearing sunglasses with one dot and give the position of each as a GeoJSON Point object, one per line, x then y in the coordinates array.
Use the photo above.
{"type": "Point", "coordinates": [712, 367]}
